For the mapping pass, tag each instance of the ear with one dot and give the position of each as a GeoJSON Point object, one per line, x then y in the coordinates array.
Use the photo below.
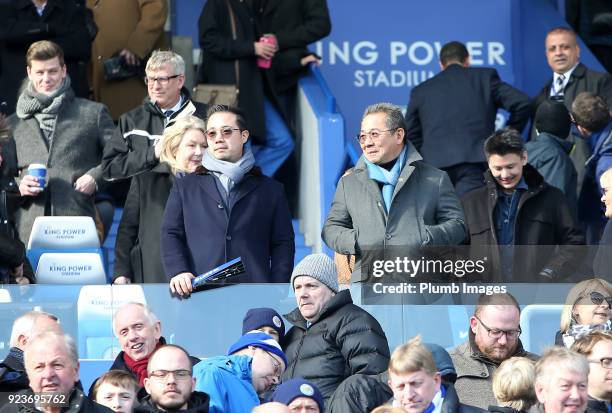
{"type": "Point", "coordinates": [29, 70]}
{"type": "Point", "coordinates": [540, 392]}
{"type": "Point", "coordinates": [245, 136]}
{"type": "Point", "coordinates": [473, 324]}
{"type": "Point", "coordinates": [438, 381]}
{"type": "Point", "coordinates": [22, 341]}
{"type": "Point", "coordinates": [442, 67]}
{"type": "Point", "coordinates": [400, 135]}
{"type": "Point", "coordinates": [157, 329]}
{"type": "Point", "coordinates": [181, 80]}
{"type": "Point", "coordinates": [524, 158]}
{"type": "Point", "coordinates": [147, 385]}
{"type": "Point", "coordinates": [77, 369]}
{"type": "Point", "coordinates": [467, 62]}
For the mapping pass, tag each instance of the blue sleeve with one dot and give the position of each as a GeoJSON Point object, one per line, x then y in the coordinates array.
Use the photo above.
{"type": "Point", "coordinates": [209, 380]}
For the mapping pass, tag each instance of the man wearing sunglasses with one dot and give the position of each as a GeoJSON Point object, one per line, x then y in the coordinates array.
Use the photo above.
{"type": "Point", "coordinates": [135, 146]}
{"type": "Point", "coordinates": [493, 337]}
{"type": "Point", "coordinates": [170, 383]}
{"type": "Point", "coordinates": [597, 347]}
{"type": "Point", "coordinates": [234, 382]}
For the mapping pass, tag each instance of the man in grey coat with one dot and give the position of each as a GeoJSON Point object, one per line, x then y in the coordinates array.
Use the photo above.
{"type": "Point", "coordinates": [391, 199]}
{"type": "Point", "coordinates": [493, 337]}
{"type": "Point", "coordinates": [66, 134]}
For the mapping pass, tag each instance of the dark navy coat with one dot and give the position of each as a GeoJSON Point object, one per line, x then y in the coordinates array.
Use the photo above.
{"type": "Point", "coordinates": [199, 232]}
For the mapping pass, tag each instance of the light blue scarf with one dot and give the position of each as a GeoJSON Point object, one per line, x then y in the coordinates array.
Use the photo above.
{"type": "Point", "coordinates": [387, 178]}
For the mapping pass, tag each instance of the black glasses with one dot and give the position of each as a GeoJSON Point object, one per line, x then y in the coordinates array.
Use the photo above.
{"type": "Point", "coordinates": [225, 132]}
{"type": "Point", "coordinates": [374, 134]}
{"type": "Point", "coordinates": [162, 80]}
{"type": "Point", "coordinates": [163, 374]}
{"type": "Point", "coordinates": [597, 298]}
{"type": "Point", "coordinates": [496, 333]}
{"type": "Point", "coordinates": [605, 362]}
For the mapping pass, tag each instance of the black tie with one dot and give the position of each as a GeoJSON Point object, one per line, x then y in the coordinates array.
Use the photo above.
{"type": "Point", "coordinates": [168, 113]}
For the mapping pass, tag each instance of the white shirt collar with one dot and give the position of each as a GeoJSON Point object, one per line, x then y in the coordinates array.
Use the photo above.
{"type": "Point", "coordinates": [176, 107]}
{"type": "Point", "coordinates": [40, 10]}
{"type": "Point", "coordinates": [566, 75]}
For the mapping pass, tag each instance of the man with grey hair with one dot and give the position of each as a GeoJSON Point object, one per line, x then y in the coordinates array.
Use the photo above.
{"type": "Point", "coordinates": [136, 145]}
{"type": "Point", "coordinates": [391, 198]}
{"type": "Point", "coordinates": [13, 376]}
{"type": "Point", "coordinates": [561, 378]}
{"type": "Point", "coordinates": [139, 333]}
{"type": "Point", "coordinates": [52, 365]}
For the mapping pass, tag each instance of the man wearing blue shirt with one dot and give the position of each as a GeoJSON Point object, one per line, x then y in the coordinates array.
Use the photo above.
{"type": "Point", "coordinates": [520, 223]}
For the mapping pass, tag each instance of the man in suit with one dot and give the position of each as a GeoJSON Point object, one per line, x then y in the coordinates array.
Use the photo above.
{"type": "Point", "coordinates": [570, 77]}
{"type": "Point", "coordinates": [450, 115]}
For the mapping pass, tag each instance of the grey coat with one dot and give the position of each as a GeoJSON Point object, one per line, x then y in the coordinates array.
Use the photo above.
{"type": "Point", "coordinates": [474, 383]}
{"type": "Point", "coordinates": [82, 129]}
{"type": "Point", "coordinates": [424, 211]}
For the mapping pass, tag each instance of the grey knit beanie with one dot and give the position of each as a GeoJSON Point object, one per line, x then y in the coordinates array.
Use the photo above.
{"type": "Point", "coordinates": [320, 267]}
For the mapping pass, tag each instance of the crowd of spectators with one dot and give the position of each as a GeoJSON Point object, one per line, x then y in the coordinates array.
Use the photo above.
{"type": "Point", "coordinates": [201, 193]}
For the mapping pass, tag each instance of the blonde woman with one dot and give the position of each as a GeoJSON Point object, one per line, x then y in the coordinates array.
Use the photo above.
{"type": "Point", "coordinates": [588, 307]}
{"type": "Point", "coordinates": [513, 386]}
{"type": "Point", "coordinates": [137, 251]}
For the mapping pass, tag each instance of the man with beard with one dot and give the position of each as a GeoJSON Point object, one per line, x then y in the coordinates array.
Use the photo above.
{"type": "Point", "coordinates": [170, 383]}
{"type": "Point", "coordinates": [493, 338]}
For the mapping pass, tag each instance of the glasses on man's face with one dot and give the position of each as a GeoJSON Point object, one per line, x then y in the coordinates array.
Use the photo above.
{"type": "Point", "coordinates": [496, 333]}
{"type": "Point", "coordinates": [162, 80]}
{"type": "Point", "coordinates": [164, 374]}
{"type": "Point", "coordinates": [275, 363]}
{"type": "Point", "coordinates": [605, 362]}
{"type": "Point", "coordinates": [597, 298]}
{"type": "Point", "coordinates": [374, 134]}
{"type": "Point", "coordinates": [225, 132]}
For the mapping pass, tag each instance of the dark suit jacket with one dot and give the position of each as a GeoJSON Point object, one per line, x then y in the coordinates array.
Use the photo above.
{"type": "Point", "coordinates": [582, 79]}
{"type": "Point", "coordinates": [450, 115]}
{"type": "Point", "coordinates": [198, 233]}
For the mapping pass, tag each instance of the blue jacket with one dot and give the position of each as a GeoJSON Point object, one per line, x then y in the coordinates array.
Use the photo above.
{"type": "Point", "coordinates": [590, 208]}
{"type": "Point", "coordinates": [227, 380]}
{"type": "Point", "coordinates": [200, 233]}
{"type": "Point", "coordinates": [550, 156]}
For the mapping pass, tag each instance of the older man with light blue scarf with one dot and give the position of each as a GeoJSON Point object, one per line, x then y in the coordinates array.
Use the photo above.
{"type": "Point", "coordinates": [391, 198]}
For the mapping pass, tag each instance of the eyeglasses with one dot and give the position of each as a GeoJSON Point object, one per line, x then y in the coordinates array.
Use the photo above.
{"type": "Point", "coordinates": [597, 298]}
{"type": "Point", "coordinates": [163, 374]}
{"type": "Point", "coordinates": [162, 80]}
{"type": "Point", "coordinates": [374, 134]}
{"type": "Point", "coordinates": [275, 363]}
{"type": "Point", "coordinates": [496, 334]}
{"type": "Point", "coordinates": [225, 132]}
{"type": "Point", "coordinates": [605, 362]}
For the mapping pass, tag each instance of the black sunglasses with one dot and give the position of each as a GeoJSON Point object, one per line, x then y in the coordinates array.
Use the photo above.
{"type": "Point", "coordinates": [598, 298]}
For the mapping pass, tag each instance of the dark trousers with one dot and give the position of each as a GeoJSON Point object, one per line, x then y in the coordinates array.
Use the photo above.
{"type": "Point", "coordinates": [466, 176]}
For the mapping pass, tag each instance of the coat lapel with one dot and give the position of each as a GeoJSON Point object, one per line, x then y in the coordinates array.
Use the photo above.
{"type": "Point", "coordinates": [33, 125]}
{"type": "Point", "coordinates": [245, 187]}
{"type": "Point", "coordinates": [210, 188]}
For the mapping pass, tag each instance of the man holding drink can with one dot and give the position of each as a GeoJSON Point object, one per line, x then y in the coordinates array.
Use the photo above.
{"type": "Point", "coordinates": [59, 140]}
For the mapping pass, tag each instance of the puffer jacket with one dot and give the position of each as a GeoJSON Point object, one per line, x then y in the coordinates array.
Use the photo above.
{"type": "Point", "coordinates": [345, 340]}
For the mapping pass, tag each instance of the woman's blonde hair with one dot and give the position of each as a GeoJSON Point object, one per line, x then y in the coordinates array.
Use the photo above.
{"type": "Point", "coordinates": [173, 136]}
{"type": "Point", "coordinates": [581, 290]}
{"type": "Point", "coordinates": [513, 383]}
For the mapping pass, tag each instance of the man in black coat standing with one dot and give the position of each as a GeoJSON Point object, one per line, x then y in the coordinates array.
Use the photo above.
{"type": "Point", "coordinates": [520, 222]}
{"type": "Point", "coordinates": [331, 338]}
{"type": "Point", "coordinates": [450, 115]}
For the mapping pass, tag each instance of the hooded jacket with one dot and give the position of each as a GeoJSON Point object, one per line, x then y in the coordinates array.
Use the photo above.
{"type": "Point", "coordinates": [227, 381]}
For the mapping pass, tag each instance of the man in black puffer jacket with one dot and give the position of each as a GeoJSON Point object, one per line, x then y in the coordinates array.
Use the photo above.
{"type": "Point", "coordinates": [331, 338]}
